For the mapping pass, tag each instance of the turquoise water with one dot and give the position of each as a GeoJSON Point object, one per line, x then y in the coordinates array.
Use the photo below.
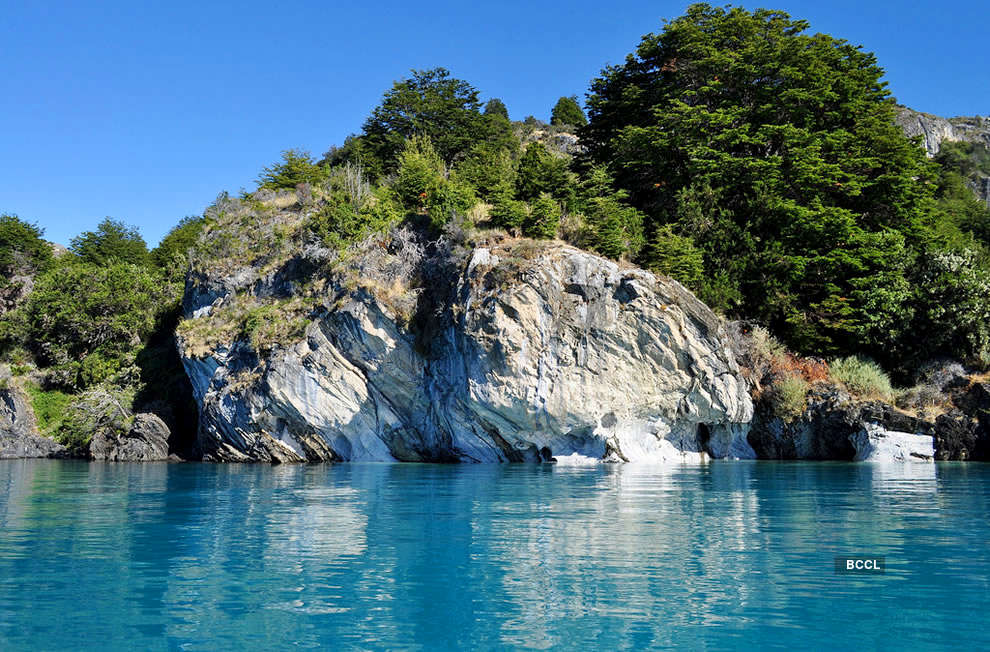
{"type": "Point", "coordinates": [724, 556]}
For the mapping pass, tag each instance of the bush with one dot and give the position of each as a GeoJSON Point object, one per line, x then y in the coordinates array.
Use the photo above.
{"type": "Point", "coordinates": [862, 377]}
{"type": "Point", "coordinates": [420, 170]}
{"type": "Point", "coordinates": [50, 407]}
{"type": "Point", "coordinates": [543, 218]}
{"type": "Point", "coordinates": [296, 167]}
{"type": "Point", "coordinates": [789, 397]}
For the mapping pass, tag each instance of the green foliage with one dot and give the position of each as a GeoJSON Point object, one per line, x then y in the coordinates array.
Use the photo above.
{"type": "Point", "coordinates": [613, 227]}
{"type": "Point", "coordinates": [541, 172]}
{"type": "Point", "coordinates": [507, 212]}
{"type": "Point", "coordinates": [950, 308]}
{"type": "Point", "coordinates": [432, 104]}
{"type": "Point", "coordinates": [49, 406]}
{"type": "Point", "coordinates": [676, 256]}
{"type": "Point", "coordinates": [22, 249]}
{"type": "Point", "coordinates": [449, 198]}
{"type": "Point", "coordinates": [486, 168]}
{"type": "Point", "coordinates": [172, 253]}
{"type": "Point", "coordinates": [420, 170]}
{"type": "Point", "coordinates": [79, 310]}
{"type": "Point", "coordinates": [111, 242]}
{"type": "Point", "coordinates": [777, 152]}
{"type": "Point", "coordinates": [789, 397]}
{"type": "Point", "coordinates": [344, 218]}
{"type": "Point", "coordinates": [862, 377]}
{"type": "Point", "coordinates": [543, 218]}
{"type": "Point", "coordinates": [496, 107]}
{"type": "Point", "coordinates": [297, 166]}
{"type": "Point", "coordinates": [567, 111]}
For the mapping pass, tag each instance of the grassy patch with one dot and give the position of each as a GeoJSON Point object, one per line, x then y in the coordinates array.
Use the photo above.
{"type": "Point", "coordinates": [862, 377]}
{"type": "Point", "coordinates": [50, 407]}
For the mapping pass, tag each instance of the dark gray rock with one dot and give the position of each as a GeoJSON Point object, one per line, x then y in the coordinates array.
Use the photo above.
{"type": "Point", "coordinates": [834, 426]}
{"type": "Point", "coordinates": [18, 433]}
{"type": "Point", "coordinates": [146, 441]}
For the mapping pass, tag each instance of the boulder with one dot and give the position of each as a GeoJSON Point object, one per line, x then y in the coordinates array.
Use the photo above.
{"type": "Point", "coordinates": [19, 435]}
{"type": "Point", "coordinates": [145, 441]}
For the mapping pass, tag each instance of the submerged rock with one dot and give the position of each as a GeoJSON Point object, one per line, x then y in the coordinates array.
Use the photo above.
{"type": "Point", "coordinates": [145, 441]}
{"type": "Point", "coordinates": [517, 354]}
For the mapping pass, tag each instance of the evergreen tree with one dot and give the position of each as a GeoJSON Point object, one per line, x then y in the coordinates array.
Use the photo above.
{"type": "Point", "coordinates": [777, 152]}
{"type": "Point", "coordinates": [112, 241]}
{"type": "Point", "coordinates": [567, 111]}
{"type": "Point", "coordinates": [296, 167]}
{"type": "Point", "coordinates": [540, 172]}
{"type": "Point", "coordinates": [496, 107]}
{"type": "Point", "coordinates": [543, 218]}
{"type": "Point", "coordinates": [507, 212]}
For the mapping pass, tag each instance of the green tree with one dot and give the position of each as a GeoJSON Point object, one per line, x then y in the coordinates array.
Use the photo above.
{"type": "Point", "coordinates": [776, 150]}
{"type": "Point", "coordinates": [676, 256]}
{"type": "Point", "coordinates": [541, 172]}
{"type": "Point", "coordinates": [172, 253]}
{"type": "Point", "coordinates": [507, 212]}
{"type": "Point", "coordinates": [297, 166]}
{"type": "Point", "coordinates": [543, 218]}
{"type": "Point", "coordinates": [567, 111]}
{"type": "Point", "coordinates": [86, 320]}
{"type": "Point", "coordinates": [23, 251]}
{"type": "Point", "coordinates": [420, 170]}
{"type": "Point", "coordinates": [614, 228]}
{"type": "Point", "coordinates": [112, 241]}
{"type": "Point", "coordinates": [433, 104]}
{"type": "Point", "coordinates": [495, 106]}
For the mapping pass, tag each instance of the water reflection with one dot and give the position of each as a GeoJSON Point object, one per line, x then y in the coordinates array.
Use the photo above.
{"type": "Point", "coordinates": [417, 556]}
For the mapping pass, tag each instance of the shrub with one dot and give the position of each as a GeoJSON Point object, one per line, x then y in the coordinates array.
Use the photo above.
{"type": "Point", "coordinates": [543, 218]}
{"type": "Point", "coordinates": [507, 213]}
{"type": "Point", "coordinates": [789, 397]}
{"type": "Point", "coordinates": [50, 407]}
{"type": "Point", "coordinates": [297, 166]}
{"type": "Point", "coordinates": [862, 377]}
{"type": "Point", "coordinates": [420, 170]}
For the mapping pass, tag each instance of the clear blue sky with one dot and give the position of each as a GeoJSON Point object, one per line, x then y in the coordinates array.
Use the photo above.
{"type": "Point", "coordinates": [145, 111]}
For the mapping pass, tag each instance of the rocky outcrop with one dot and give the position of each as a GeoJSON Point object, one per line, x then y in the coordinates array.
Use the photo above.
{"type": "Point", "coordinates": [835, 426]}
{"type": "Point", "coordinates": [522, 352]}
{"type": "Point", "coordinates": [145, 441]}
{"type": "Point", "coordinates": [935, 130]}
{"type": "Point", "coordinates": [19, 435]}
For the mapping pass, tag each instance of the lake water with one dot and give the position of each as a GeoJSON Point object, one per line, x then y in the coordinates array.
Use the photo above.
{"type": "Point", "coordinates": [724, 556]}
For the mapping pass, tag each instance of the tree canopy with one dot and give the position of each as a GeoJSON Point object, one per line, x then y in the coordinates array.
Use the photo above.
{"type": "Point", "coordinates": [433, 104]}
{"type": "Point", "coordinates": [567, 111]}
{"type": "Point", "coordinates": [776, 152]}
{"type": "Point", "coordinates": [112, 241]}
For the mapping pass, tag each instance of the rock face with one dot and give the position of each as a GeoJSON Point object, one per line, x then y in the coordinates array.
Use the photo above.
{"type": "Point", "coordinates": [146, 441]}
{"type": "Point", "coordinates": [18, 433]}
{"type": "Point", "coordinates": [935, 130]}
{"type": "Point", "coordinates": [833, 426]}
{"type": "Point", "coordinates": [556, 354]}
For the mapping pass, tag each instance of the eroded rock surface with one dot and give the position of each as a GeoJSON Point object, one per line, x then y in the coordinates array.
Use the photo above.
{"type": "Point", "coordinates": [145, 441]}
{"type": "Point", "coordinates": [558, 353]}
{"type": "Point", "coordinates": [18, 432]}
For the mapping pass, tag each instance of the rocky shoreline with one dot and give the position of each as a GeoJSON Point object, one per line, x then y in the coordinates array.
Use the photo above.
{"type": "Point", "coordinates": [508, 352]}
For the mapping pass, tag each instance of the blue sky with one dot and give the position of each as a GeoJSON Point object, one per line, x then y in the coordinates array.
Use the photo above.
{"type": "Point", "coordinates": [145, 111]}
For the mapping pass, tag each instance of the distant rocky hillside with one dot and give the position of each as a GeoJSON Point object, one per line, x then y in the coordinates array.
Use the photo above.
{"type": "Point", "coordinates": [935, 130]}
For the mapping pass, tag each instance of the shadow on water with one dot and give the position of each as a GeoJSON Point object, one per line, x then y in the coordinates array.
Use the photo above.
{"type": "Point", "coordinates": [198, 556]}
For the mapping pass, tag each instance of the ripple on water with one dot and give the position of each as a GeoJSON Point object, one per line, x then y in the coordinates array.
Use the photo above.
{"type": "Point", "coordinates": [194, 556]}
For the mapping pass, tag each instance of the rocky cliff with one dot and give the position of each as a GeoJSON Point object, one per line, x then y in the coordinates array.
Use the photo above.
{"type": "Point", "coordinates": [18, 433]}
{"type": "Point", "coordinates": [516, 351]}
{"type": "Point", "coordinates": [935, 130]}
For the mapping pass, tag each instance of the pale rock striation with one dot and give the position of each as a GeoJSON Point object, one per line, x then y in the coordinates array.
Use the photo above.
{"type": "Point", "coordinates": [557, 355]}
